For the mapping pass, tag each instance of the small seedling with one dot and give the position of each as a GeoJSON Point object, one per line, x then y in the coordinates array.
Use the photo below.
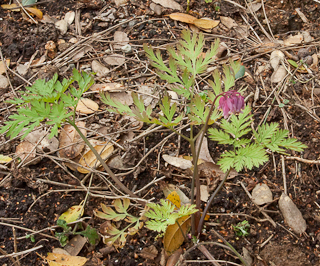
{"type": "Point", "coordinates": [63, 236]}
{"type": "Point", "coordinates": [242, 228]}
{"type": "Point", "coordinates": [32, 239]}
{"type": "Point", "coordinates": [111, 234]}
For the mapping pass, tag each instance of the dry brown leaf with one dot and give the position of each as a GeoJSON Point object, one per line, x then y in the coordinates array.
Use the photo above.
{"type": "Point", "coordinates": [174, 258]}
{"type": "Point", "coordinates": [123, 97]}
{"type": "Point", "coordinates": [173, 237]}
{"type": "Point", "coordinates": [169, 4]}
{"type": "Point", "coordinates": [45, 143]}
{"type": "Point", "coordinates": [150, 252]}
{"type": "Point", "coordinates": [70, 139]}
{"type": "Point", "coordinates": [228, 22]}
{"type": "Point", "coordinates": [120, 39]}
{"type": "Point", "coordinates": [87, 106]}
{"type": "Point", "coordinates": [75, 245]}
{"type": "Point", "coordinates": [65, 260]}
{"type": "Point", "coordinates": [115, 59]}
{"type": "Point", "coordinates": [291, 40]}
{"type": "Point", "coordinates": [206, 23]}
{"type": "Point", "coordinates": [24, 149]}
{"type": "Point", "coordinates": [2, 66]}
{"type": "Point", "coordinates": [89, 159]}
{"type": "Point", "coordinates": [182, 17]}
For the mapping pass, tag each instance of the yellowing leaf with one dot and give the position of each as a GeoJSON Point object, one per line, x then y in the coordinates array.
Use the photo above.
{"type": "Point", "coordinates": [182, 17]}
{"type": "Point", "coordinates": [173, 237]}
{"type": "Point", "coordinates": [34, 11]}
{"type": "Point", "coordinates": [5, 159]}
{"type": "Point", "coordinates": [90, 160]}
{"type": "Point", "coordinates": [87, 106]}
{"type": "Point", "coordinates": [175, 199]}
{"type": "Point", "coordinates": [72, 214]}
{"type": "Point", "coordinates": [65, 260]}
{"type": "Point", "coordinates": [11, 6]}
{"type": "Point", "coordinates": [205, 23]}
{"type": "Point", "coordinates": [2, 66]}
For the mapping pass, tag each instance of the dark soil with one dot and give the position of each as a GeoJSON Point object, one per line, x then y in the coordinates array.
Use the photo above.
{"type": "Point", "coordinates": [33, 197]}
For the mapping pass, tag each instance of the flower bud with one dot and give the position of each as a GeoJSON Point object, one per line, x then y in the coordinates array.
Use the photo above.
{"type": "Point", "coordinates": [231, 102]}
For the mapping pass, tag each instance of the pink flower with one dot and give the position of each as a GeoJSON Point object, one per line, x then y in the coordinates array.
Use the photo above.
{"type": "Point", "coordinates": [231, 102]}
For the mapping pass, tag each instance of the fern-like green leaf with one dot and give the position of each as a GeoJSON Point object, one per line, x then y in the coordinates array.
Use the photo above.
{"type": "Point", "coordinates": [249, 156]}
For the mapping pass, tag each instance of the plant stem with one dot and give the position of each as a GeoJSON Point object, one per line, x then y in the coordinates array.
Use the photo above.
{"type": "Point", "coordinates": [105, 166]}
{"type": "Point", "coordinates": [231, 247]}
{"type": "Point", "coordinates": [210, 201]}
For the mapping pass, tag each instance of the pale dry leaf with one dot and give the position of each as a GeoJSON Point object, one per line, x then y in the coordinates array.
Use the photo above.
{"type": "Point", "coordinates": [182, 17]}
{"type": "Point", "coordinates": [81, 53]}
{"type": "Point", "coordinates": [228, 22]}
{"type": "Point", "coordinates": [254, 7]}
{"type": "Point", "coordinates": [115, 59]}
{"type": "Point", "coordinates": [45, 143]}
{"type": "Point", "coordinates": [71, 144]}
{"type": "Point", "coordinates": [204, 151]}
{"type": "Point", "coordinates": [292, 215]}
{"type": "Point", "coordinates": [292, 40]}
{"type": "Point", "coordinates": [120, 38]}
{"type": "Point", "coordinates": [123, 97]}
{"type": "Point", "coordinates": [204, 193]}
{"type": "Point", "coordinates": [169, 4]}
{"type": "Point", "coordinates": [206, 23]}
{"type": "Point", "coordinates": [87, 106]}
{"type": "Point", "coordinates": [144, 91]}
{"type": "Point", "coordinates": [60, 251]}
{"type": "Point", "coordinates": [275, 58]}
{"type": "Point", "coordinates": [177, 162]}
{"type": "Point", "coordinates": [89, 159]}
{"type": "Point", "coordinates": [69, 17]}
{"type": "Point", "coordinates": [2, 66]}
{"type": "Point", "coordinates": [261, 194]}
{"type": "Point", "coordinates": [279, 74]}
{"type": "Point", "coordinates": [99, 68]}
{"type": "Point", "coordinates": [242, 31]}
{"type": "Point", "coordinates": [112, 87]}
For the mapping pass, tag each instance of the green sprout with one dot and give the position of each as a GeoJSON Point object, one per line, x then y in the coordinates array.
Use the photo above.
{"type": "Point", "coordinates": [242, 228]}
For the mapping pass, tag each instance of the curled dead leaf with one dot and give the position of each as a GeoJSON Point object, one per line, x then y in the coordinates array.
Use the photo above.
{"type": "Point", "coordinates": [173, 237]}
{"type": "Point", "coordinates": [70, 142]}
{"type": "Point", "coordinates": [89, 159]}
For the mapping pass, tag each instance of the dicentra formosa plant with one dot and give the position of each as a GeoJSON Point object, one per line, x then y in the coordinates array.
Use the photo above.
{"type": "Point", "coordinates": [186, 62]}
